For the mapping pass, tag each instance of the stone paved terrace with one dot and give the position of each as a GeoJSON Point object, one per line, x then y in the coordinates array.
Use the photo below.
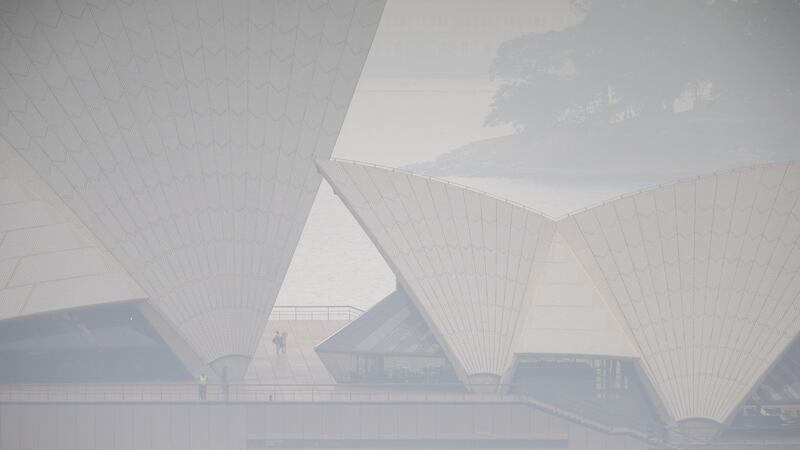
{"type": "Point", "coordinates": [300, 364]}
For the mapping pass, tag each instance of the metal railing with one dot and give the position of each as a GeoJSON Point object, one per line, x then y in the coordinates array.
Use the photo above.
{"type": "Point", "coordinates": [312, 312]}
{"type": "Point", "coordinates": [189, 392]}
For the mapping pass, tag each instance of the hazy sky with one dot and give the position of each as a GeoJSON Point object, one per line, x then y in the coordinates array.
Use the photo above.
{"type": "Point", "coordinates": [425, 88]}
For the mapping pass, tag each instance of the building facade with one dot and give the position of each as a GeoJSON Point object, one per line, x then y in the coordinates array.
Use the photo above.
{"type": "Point", "coordinates": [684, 296]}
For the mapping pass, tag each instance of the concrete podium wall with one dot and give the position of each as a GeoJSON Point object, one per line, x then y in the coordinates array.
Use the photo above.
{"type": "Point", "coordinates": [229, 426]}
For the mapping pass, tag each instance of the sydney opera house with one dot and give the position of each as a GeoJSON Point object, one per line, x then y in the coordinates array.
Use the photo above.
{"type": "Point", "coordinates": [163, 158]}
{"type": "Point", "coordinates": [159, 164]}
{"type": "Point", "coordinates": [675, 304]}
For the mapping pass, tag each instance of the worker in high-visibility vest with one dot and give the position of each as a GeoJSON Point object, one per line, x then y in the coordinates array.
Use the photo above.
{"type": "Point", "coordinates": [202, 385]}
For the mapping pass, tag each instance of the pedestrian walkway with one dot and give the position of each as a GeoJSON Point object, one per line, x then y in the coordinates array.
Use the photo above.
{"type": "Point", "coordinates": [300, 364]}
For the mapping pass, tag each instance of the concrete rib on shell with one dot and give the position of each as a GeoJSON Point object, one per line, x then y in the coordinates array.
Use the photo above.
{"type": "Point", "coordinates": [705, 274]}
{"type": "Point", "coordinates": [467, 259]}
{"type": "Point", "coordinates": [183, 134]}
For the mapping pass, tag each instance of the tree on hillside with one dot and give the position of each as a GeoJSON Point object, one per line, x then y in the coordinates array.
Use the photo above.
{"type": "Point", "coordinates": [680, 73]}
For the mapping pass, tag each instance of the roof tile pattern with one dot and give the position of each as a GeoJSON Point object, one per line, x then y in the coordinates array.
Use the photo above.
{"type": "Point", "coordinates": [705, 274]}
{"type": "Point", "coordinates": [467, 259]}
{"type": "Point", "coordinates": [49, 261]}
{"type": "Point", "coordinates": [183, 134]}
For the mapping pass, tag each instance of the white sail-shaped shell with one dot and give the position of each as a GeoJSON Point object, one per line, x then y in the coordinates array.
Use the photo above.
{"type": "Point", "coordinates": [467, 259]}
{"type": "Point", "coordinates": [705, 275]}
{"type": "Point", "coordinates": [184, 134]}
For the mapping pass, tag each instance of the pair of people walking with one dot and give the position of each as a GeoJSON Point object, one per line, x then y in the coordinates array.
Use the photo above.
{"type": "Point", "coordinates": [280, 342]}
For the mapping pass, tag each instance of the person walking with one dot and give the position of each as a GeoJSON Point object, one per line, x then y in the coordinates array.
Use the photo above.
{"type": "Point", "coordinates": [277, 341]}
{"type": "Point", "coordinates": [284, 335]}
{"type": "Point", "coordinates": [202, 385]}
